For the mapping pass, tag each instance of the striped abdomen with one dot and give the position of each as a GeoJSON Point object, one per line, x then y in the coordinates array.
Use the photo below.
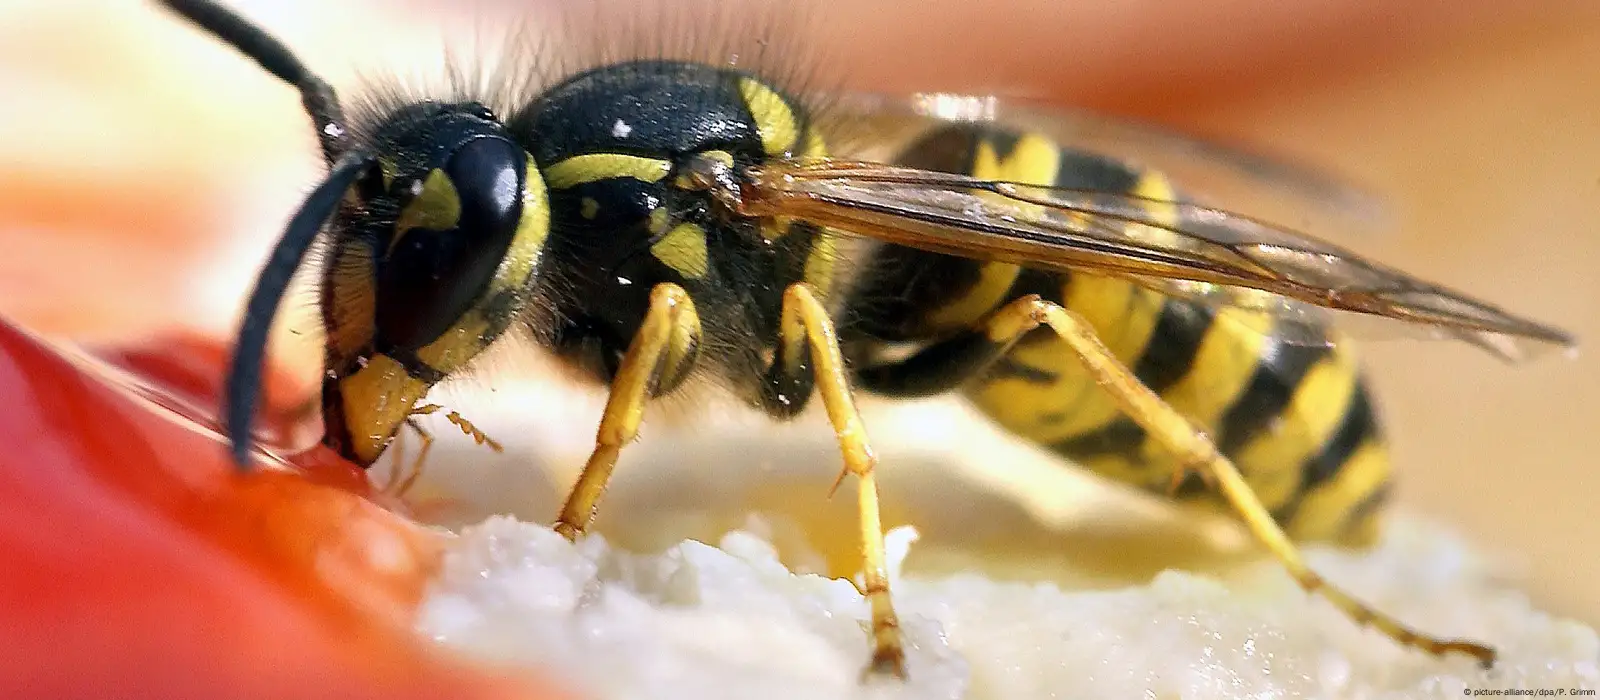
{"type": "Point", "coordinates": [1295, 418]}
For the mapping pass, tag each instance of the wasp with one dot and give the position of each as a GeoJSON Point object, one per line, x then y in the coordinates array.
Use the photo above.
{"type": "Point", "coordinates": [656, 220]}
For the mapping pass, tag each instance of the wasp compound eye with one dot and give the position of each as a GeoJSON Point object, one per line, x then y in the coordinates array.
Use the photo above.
{"type": "Point", "coordinates": [449, 237]}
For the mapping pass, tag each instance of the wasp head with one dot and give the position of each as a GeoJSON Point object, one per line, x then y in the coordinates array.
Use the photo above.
{"type": "Point", "coordinates": [434, 251]}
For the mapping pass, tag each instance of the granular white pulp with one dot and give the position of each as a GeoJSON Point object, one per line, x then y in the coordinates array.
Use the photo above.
{"type": "Point", "coordinates": [697, 621]}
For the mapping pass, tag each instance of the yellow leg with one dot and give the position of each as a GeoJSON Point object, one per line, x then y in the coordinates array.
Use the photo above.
{"type": "Point", "coordinates": [1181, 474]}
{"type": "Point", "coordinates": [662, 347]}
{"type": "Point", "coordinates": [805, 319]}
{"type": "Point", "coordinates": [1197, 451]}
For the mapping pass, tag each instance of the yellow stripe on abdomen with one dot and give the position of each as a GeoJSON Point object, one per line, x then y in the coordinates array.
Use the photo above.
{"type": "Point", "coordinates": [1032, 160]}
{"type": "Point", "coordinates": [1272, 460]}
{"type": "Point", "coordinates": [1070, 403]}
{"type": "Point", "coordinates": [1325, 511]}
{"type": "Point", "coordinates": [1293, 416]}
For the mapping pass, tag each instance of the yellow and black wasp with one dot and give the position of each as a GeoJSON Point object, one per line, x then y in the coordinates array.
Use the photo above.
{"type": "Point", "coordinates": [659, 219]}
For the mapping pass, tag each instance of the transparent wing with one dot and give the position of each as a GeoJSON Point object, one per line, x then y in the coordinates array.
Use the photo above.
{"type": "Point", "coordinates": [873, 127]}
{"type": "Point", "coordinates": [1197, 252]}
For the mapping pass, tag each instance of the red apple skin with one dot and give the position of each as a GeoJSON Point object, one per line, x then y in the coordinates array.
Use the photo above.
{"type": "Point", "coordinates": [136, 562]}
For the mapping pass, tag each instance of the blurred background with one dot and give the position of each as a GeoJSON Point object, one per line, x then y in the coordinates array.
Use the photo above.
{"type": "Point", "coordinates": [145, 172]}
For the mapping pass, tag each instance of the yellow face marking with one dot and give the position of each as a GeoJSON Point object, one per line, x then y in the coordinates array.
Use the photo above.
{"type": "Point", "coordinates": [377, 398]}
{"type": "Point", "coordinates": [458, 345]}
{"type": "Point", "coordinates": [354, 302]}
{"type": "Point", "coordinates": [594, 167]}
{"type": "Point", "coordinates": [522, 257]}
{"type": "Point", "coordinates": [683, 249]}
{"type": "Point", "coordinates": [469, 335]}
{"type": "Point", "coordinates": [1322, 513]}
{"type": "Point", "coordinates": [775, 121]}
{"type": "Point", "coordinates": [588, 208]}
{"type": "Point", "coordinates": [386, 169]}
{"type": "Point", "coordinates": [436, 207]}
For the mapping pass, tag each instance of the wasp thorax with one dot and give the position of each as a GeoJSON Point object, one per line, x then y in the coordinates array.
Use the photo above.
{"type": "Point", "coordinates": [640, 158]}
{"type": "Point", "coordinates": [621, 142]}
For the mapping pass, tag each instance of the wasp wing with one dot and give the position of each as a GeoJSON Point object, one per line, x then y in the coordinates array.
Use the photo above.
{"type": "Point", "coordinates": [1220, 257]}
{"type": "Point", "coordinates": [873, 127]}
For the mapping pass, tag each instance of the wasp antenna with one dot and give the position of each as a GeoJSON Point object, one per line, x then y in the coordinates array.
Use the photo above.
{"type": "Point", "coordinates": [243, 387]}
{"type": "Point", "coordinates": [316, 95]}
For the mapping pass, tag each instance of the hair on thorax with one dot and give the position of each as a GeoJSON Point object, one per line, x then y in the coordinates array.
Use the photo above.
{"type": "Point", "coordinates": [509, 66]}
{"type": "Point", "coordinates": [508, 63]}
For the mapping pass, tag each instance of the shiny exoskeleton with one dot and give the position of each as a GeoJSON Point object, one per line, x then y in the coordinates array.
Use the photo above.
{"type": "Point", "coordinates": [611, 143]}
{"type": "Point", "coordinates": [474, 245]}
{"type": "Point", "coordinates": [652, 221]}
{"type": "Point", "coordinates": [581, 257]}
{"type": "Point", "coordinates": [1292, 413]}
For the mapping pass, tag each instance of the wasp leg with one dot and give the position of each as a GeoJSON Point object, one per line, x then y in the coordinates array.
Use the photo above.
{"type": "Point", "coordinates": [395, 485]}
{"type": "Point", "coordinates": [397, 458]}
{"type": "Point", "coordinates": [401, 480]}
{"type": "Point", "coordinates": [660, 355]}
{"type": "Point", "coordinates": [809, 358]}
{"type": "Point", "coordinates": [1197, 452]}
{"type": "Point", "coordinates": [403, 486]}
